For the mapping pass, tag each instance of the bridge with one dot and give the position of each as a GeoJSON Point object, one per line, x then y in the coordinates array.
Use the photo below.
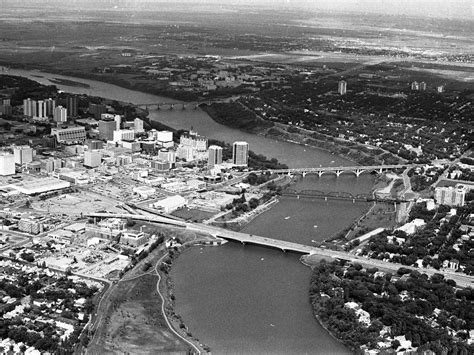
{"type": "Point", "coordinates": [338, 195]}
{"type": "Point", "coordinates": [286, 246]}
{"type": "Point", "coordinates": [357, 170]}
{"type": "Point", "coordinates": [170, 106]}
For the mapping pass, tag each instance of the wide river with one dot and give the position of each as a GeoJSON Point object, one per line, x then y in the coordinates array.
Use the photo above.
{"type": "Point", "coordinates": [247, 299]}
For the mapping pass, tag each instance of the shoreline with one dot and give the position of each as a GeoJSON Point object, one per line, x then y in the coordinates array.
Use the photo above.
{"type": "Point", "coordinates": [118, 84]}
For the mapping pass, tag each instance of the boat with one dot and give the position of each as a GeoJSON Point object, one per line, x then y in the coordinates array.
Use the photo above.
{"type": "Point", "coordinates": [287, 217]}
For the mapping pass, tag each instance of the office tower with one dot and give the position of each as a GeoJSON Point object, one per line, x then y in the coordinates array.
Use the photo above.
{"type": "Point", "coordinates": [29, 107]}
{"type": "Point", "coordinates": [23, 154]}
{"type": "Point", "coordinates": [240, 153]}
{"type": "Point", "coordinates": [123, 135]}
{"type": "Point", "coordinates": [50, 105]}
{"type": "Point", "coordinates": [97, 110]}
{"type": "Point", "coordinates": [422, 86]}
{"type": "Point", "coordinates": [440, 89]}
{"type": "Point", "coordinates": [342, 87]}
{"type": "Point", "coordinates": [72, 104]}
{"type": "Point", "coordinates": [215, 156]}
{"type": "Point", "coordinates": [106, 129]}
{"type": "Point", "coordinates": [7, 164]}
{"type": "Point", "coordinates": [415, 86]}
{"type": "Point", "coordinates": [60, 114]}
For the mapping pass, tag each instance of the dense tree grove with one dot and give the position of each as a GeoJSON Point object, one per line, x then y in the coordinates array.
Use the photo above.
{"type": "Point", "coordinates": [439, 240]}
{"type": "Point", "coordinates": [429, 312]}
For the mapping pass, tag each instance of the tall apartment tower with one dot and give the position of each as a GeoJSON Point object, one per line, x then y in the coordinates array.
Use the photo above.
{"type": "Point", "coordinates": [60, 114]}
{"type": "Point", "coordinates": [50, 105]}
{"type": "Point", "coordinates": [215, 155]}
{"type": "Point", "coordinates": [29, 107]}
{"type": "Point", "coordinates": [72, 105]}
{"type": "Point", "coordinates": [240, 153]}
{"type": "Point", "coordinates": [342, 87]}
{"type": "Point", "coordinates": [138, 125]}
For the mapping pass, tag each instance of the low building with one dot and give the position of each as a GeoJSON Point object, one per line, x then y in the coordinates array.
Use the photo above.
{"type": "Point", "coordinates": [170, 204]}
{"type": "Point", "coordinates": [41, 185]}
{"type": "Point", "coordinates": [30, 225]}
{"type": "Point", "coordinates": [70, 135]}
{"type": "Point", "coordinates": [134, 239]}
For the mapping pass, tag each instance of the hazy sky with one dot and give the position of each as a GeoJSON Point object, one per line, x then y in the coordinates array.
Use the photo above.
{"type": "Point", "coordinates": [433, 8]}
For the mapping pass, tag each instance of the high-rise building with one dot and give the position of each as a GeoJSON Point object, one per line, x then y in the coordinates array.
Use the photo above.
{"type": "Point", "coordinates": [415, 86]}
{"type": "Point", "coordinates": [40, 111]}
{"type": "Point", "coordinates": [240, 153]}
{"type": "Point", "coordinates": [215, 155]}
{"type": "Point", "coordinates": [72, 104]}
{"type": "Point", "coordinates": [450, 196]}
{"type": "Point", "coordinates": [167, 155]}
{"type": "Point", "coordinates": [29, 107]}
{"type": "Point", "coordinates": [422, 86]}
{"type": "Point", "coordinates": [60, 114]}
{"type": "Point", "coordinates": [106, 129]}
{"type": "Point", "coordinates": [7, 164]}
{"type": "Point", "coordinates": [23, 154]}
{"type": "Point", "coordinates": [342, 87]}
{"type": "Point", "coordinates": [118, 122]}
{"type": "Point", "coordinates": [50, 105]}
{"type": "Point", "coordinates": [440, 89]}
{"type": "Point", "coordinates": [97, 110]}
{"type": "Point", "coordinates": [138, 125]}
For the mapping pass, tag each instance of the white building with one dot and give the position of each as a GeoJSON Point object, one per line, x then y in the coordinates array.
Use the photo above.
{"type": "Point", "coordinates": [92, 159]}
{"type": "Point", "coordinates": [124, 135]}
{"type": "Point", "coordinates": [70, 135]}
{"type": "Point", "coordinates": [342, 87]}
{"type": "Point", "coordinates": [170, 204]}
{"type": "Point", "coordinates": [23, 154]}
{"type": "Point", "coordinates": [7, 164]}
{"type": "Point", "coordinates": [138, 125]}
{"type": "Point", "coordinates": [450, 196]}
{"type": "Point", "coordinates": [118, 122]}
{"type": "Point", "coordinates": [240, 153]}
{"type": "Point", "coordinates": [185, 153]}
{"type": "Point", "coordinates": [193, 140]}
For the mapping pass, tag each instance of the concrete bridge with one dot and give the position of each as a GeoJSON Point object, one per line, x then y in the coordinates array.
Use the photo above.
{"type": "Point", "coordinates": [286, 246]}
{"type": "Point", "coordinates": [170, 106]}
{"type": "Point", "coordinates": [357, 170]}
{"type": "Point", "coordinates": [338, 195]}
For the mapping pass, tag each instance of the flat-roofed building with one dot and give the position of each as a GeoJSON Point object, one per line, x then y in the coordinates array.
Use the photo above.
{"type": "Point", "coordinates": [7, 164]}
{"type": "Point", "coordinates": [215, 155]}
{"type": "Point", "coordinates": [60, 114]}
{"type": "Point", "coordinates": [123, 135]}
{"type": "Point", "coordinates": [240, 153]}
{"type": "Point", "coordinates": [106, 129]}
{"type": "Point", "coordinates": [170, 203]}
{"type": "Point", "coordinates": [69, 135]}
{"type": "Point", "coordinates": [40, 185]}
{"type": "Point", "coordinates": [134, 239]}
{"type": "Point", "coordinates": [23, 154]}
{"type": "Point", "coordinates": [92, 159]}
{"type": "Point", "coordinates": [450, 196]}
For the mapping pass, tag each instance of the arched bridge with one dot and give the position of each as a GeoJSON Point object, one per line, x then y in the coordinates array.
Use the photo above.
{"type": "Point", "coordinates": [337, 195]}
{"type": "Point", "coordinates": [357, 170]}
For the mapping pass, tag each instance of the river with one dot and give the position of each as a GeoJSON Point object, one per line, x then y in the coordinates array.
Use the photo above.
{"type": "Point", "coordinates": [249, 299]}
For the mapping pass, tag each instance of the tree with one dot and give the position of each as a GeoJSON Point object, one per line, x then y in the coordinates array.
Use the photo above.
{"type": "Point", "coordinates": [130, 222]}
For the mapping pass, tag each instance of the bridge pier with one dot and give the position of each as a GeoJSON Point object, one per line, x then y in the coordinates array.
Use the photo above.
{"type": "Point", "coordinates": [338, 172]}
{"type": "Point", "coordinates": [304, 174]}
{"type": "Point", "coordinates": [320, 173]}
{"type": "Point", "coordinates": [358, 172]}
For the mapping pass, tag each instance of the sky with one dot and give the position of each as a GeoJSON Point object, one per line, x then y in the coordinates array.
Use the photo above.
{"type": "Point", "coordinates": [431, 8]}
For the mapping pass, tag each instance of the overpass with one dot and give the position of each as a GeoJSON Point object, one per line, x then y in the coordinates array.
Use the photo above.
{"type": "Point", "coordinates": [286, 246]}
{"type": "Point", "coordinates": [357, 170]}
